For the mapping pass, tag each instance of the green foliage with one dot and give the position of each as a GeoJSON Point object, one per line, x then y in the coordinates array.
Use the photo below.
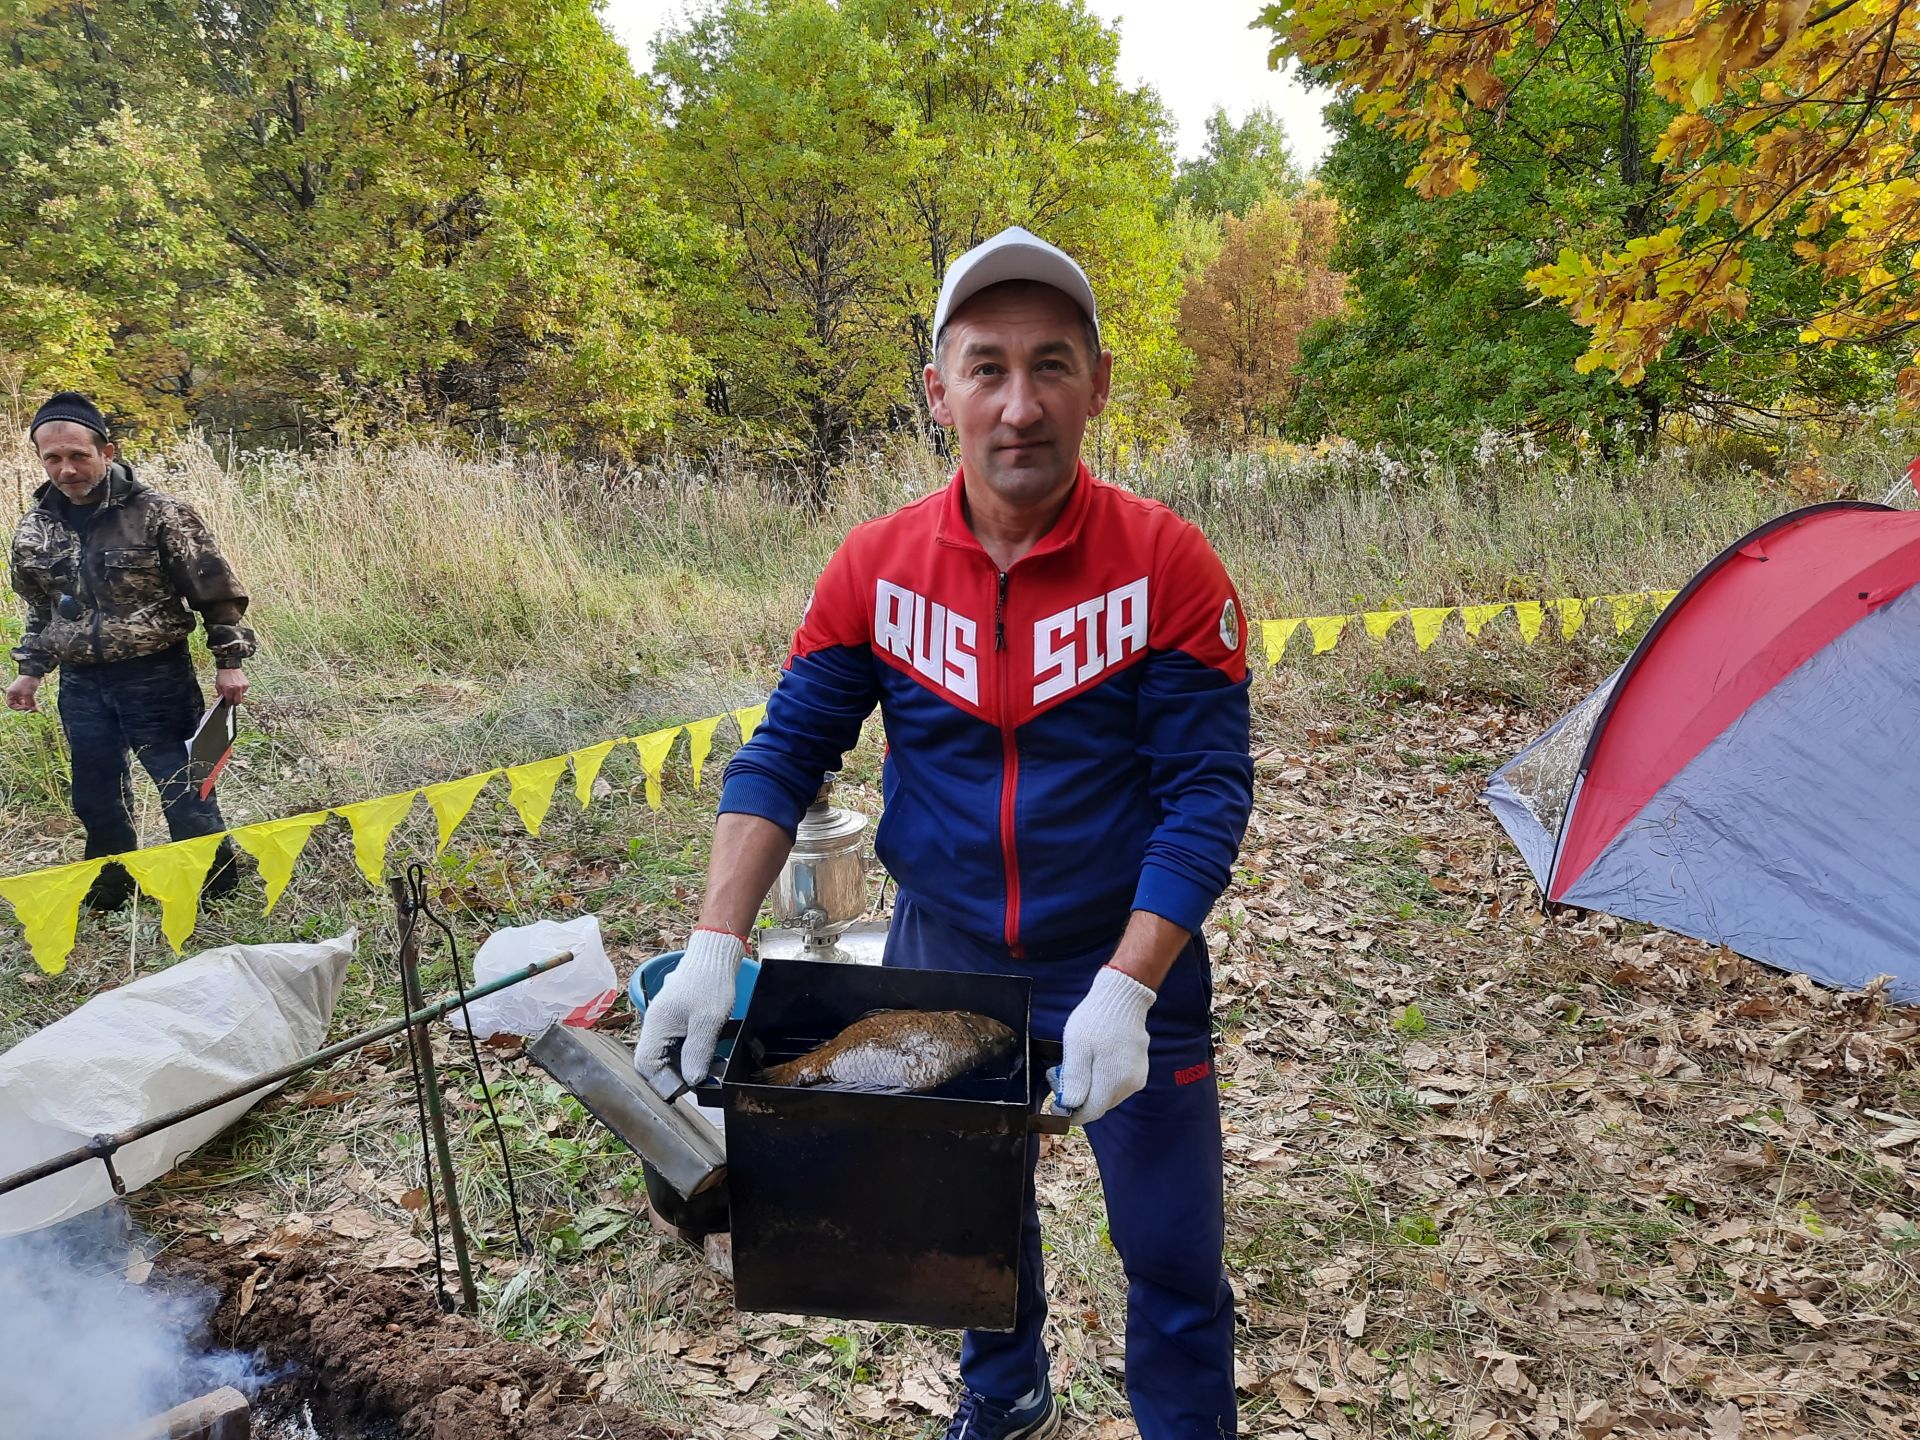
{"type": "Point", "coordinates": [278, 216]}
{"type": "Point", "coordinates": [1241, 165]}
{"type": "Point", "coordinates": [850, 153]}
{"type": "Point", "coordinates": [1444, 338]}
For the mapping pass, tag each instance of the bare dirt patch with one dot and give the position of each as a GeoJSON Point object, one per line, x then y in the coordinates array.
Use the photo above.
{"type": "Point", "coordinates": [381, 1347]}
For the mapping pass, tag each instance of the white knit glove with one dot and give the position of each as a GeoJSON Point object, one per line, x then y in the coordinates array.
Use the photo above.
{"type": "Point", "coordinates": [1103, 1053]}
{"type": "Point", "coordinates": [692, 1006]}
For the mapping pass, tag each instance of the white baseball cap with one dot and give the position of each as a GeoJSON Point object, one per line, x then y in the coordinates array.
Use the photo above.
{"type": "Point", "coordinates": [1013, 254]}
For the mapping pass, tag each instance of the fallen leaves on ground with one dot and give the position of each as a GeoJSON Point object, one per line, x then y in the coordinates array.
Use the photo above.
{"type": "Point", "coordinates": [1490, 1173]}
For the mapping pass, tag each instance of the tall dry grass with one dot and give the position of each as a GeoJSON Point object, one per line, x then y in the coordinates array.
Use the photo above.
{"type": "Point", "coordinates": [424, 610]}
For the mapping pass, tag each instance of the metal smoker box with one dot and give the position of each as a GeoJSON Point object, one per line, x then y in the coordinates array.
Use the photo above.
{"type": "Point", "coordinates": [863, 1206]}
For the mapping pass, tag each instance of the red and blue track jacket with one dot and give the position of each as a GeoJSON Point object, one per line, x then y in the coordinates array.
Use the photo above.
{"type": "Point", "coordinates": [1066, 740]}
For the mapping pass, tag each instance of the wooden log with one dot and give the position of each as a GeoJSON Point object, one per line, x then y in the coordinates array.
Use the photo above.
{"type": "Point", "coordinates": [223, 1415]}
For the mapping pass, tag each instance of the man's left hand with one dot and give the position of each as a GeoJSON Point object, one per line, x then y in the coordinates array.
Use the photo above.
{"type": "Point", "coordinates": [1103, 1053]}
{"type": "Point", "coordinates": [230, 685]}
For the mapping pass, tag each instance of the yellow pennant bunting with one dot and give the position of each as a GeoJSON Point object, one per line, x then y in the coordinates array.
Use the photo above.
{"type": "Point", "coordinates": [1379, 622]}
{"type": "Point", "coordinates": [1476, 617]}
{"type": "Point", "coordinates": [1661, 598]}
{"type": "Point", "coordinates": [47, 905]}
{"type": "Point", "coordinates": [373, 822]}
{"type": "Point", "coordinates": [653, 750]}
{"type": "Point", "coordinates": [1326, 631]}
{"type": "Point", "coordinates": [172, 875]}
{"type": "Point", "coordinates": [586, 769]}
{"type": "Point", "coordinates": [1427, 622]}
{"type": "Point", "coordinates": [1573, 614]}
{"type": "Point", "coordinates": [530, 789]}
{"type": "Point", "coordinates": [452, 800]}
{"type": "Point", "coordinates": [276, 846]}
{"type": "Point", "coordinates": [1626, 609]}
{"type": "Point", "coordinates": [749, 720]}
{"type": "Point", "coordinates": [700, 743]}
{"type": "Point", "coordinates": [1529, 613]}
{"type": "Point", "coordinates": [1275, 634]}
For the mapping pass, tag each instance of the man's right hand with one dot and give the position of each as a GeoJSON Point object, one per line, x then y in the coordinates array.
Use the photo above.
{"type": "Point", "coordinates": [21, 693]}
{"type": "Point", "coordinates": [691, 1007]}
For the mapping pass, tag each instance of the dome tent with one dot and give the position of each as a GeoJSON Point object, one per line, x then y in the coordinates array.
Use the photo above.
{"type": "Point", "coordinates": [1751, 776]}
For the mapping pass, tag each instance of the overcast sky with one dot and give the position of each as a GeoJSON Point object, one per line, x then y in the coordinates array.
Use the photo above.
{"type": "Point", "coordinates": [1196, 53]}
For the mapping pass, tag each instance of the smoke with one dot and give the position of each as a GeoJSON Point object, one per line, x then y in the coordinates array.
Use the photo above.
{"type": "Point", "coordinates": [87, 1355]}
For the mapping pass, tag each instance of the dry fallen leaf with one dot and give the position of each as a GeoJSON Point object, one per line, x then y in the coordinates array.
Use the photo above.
{"type": "Point", "coordinates": [355, 1224]}
{"type": "Point", "coordinates": [1355, 1323]}
{"type": "Point", "coordinates": [1807, 1313]}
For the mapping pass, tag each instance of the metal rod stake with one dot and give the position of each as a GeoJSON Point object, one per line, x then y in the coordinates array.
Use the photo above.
{"type": "Point", "coordinates": [422, 1041]}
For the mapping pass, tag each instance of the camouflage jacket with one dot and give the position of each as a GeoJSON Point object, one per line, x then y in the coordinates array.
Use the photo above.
{"type": "Point", "coordinates": [129, 568]}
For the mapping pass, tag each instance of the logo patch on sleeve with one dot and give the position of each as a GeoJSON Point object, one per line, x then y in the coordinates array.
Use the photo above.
{"type": "Point", "coordinates": [1230, 625]}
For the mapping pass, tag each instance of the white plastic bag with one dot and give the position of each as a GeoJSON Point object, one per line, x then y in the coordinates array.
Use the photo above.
{"type": "Point", "coordinates": [579, 993]}
{"type": "Point", "coordinates": [162, 1042]}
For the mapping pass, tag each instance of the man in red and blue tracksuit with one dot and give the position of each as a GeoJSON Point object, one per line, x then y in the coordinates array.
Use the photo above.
{"type": "Point", "coordinates": [1061, 669]}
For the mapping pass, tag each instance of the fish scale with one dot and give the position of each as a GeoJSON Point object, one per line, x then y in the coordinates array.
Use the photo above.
{"type": "Point", "coordinates": [904, 1050]}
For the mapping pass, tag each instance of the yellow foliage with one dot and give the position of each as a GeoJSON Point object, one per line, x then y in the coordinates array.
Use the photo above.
{"type": "Point", "coordinates": [1781, 123]}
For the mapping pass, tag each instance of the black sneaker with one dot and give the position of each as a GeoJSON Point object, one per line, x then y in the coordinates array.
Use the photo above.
{"type": "Point", "coordinates": [112, 889]}
{"type": "Point", "coordinates": [979, 1418]}
{"type": "Point", "coordinates": [223, 877]}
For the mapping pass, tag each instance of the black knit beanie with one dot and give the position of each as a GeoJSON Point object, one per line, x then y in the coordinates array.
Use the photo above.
{"type": "Point", "coordinates": [71, 405]}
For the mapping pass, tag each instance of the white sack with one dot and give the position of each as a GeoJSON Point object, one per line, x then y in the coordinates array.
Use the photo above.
{"type": "Point", "coordinates": [578, 993]}
{"type": "Point", "coordinates": [164, 1041]}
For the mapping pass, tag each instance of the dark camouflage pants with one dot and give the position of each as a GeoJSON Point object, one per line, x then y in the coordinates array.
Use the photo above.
{"type": "Point", "coordinates": [147, 707]}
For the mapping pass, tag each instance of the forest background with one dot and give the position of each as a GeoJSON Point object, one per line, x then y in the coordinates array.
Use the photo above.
{"type": "Point", "coordinates": [290, 226]}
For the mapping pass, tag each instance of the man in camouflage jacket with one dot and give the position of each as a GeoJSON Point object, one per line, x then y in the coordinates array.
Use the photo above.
{"type": "Point", "coordinates": [112, 572]}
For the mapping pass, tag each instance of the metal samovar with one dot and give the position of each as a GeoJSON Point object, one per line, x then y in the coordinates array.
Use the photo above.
{"type": "Point", "coordinates": [821, 892]}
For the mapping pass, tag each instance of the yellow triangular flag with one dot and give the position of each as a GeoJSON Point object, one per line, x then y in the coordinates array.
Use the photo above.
{"type": "Point", "coordinates": [373, 822]}
{"type": "Point", "coordinates": [1427, 622]}
{"type": "Point", "coordinates": [1573, 614]}
{"type": "Point", "coordinates": [749, 720]}
{"type": "Point", "coordinates": [1326, 630]}
{"type": "Point", "coordinates": [452, 800]}
{"type": "Point", "coordinates": [276, 846]}
{"type": "Point", "coordinates": [586, 768]}
{"type": "Point", "coordinates": [1476, 617]}
{"type": "Point", "coordinates": [530, 789]}
{"type": "Point", "coordinates": [1529, 613]}
{"type": "Point", "coordinates": [1378, 622]}
{"type": "Point", "coordinates": [47, 904]}
{"type": "Point", "coordinates": [1626, 609]}
{"type": "Point", "coordinates": [1661, 598]}
{"type": "Point", "coordinates": [653, 750]}
{"type": "Point", "coordinates": [172, 875]}
{"type": "Point", "coordinates": [1275, 634]}
{"type": "Point", "coordinates": [700, 743]}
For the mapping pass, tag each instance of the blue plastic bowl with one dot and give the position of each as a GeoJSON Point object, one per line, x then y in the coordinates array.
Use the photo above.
{"type": "Point", "coordinates": [653, 973]}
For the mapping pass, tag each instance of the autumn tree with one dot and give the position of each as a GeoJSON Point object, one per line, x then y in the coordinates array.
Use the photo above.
{"type": "Point", "coordinates": [1244, 316]}
{"type": "Point", "coordinates": [1780, 126]}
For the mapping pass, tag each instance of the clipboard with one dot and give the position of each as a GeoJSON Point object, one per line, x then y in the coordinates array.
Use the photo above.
{"type": "Point", "coordinates": [212, 746]}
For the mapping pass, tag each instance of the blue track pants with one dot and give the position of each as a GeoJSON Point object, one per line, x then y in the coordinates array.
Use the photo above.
{"type": "Point", "coordinates": [1160, 1167]}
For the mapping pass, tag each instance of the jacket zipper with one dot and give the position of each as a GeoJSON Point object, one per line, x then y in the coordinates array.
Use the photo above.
{"type": "Point", "coordinates": [1009, 770]}
{"type": "Point", "coordinates": [93, 595]}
